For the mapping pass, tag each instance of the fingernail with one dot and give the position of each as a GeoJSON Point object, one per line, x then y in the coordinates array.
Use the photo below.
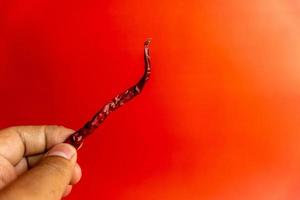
{"type": "Point", "coordinates": [62, 150]}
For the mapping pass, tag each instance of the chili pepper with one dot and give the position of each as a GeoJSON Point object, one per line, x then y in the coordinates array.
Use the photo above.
{"type": "Point", "coordinates": [76, 139]}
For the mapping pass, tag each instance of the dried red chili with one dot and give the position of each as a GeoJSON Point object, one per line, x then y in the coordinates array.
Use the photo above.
{"type": "Point", "coordinates": [76, 139]}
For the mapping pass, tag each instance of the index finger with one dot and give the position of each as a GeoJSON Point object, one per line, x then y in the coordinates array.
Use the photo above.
{"type": "Point", "coordinates": [19, 141]}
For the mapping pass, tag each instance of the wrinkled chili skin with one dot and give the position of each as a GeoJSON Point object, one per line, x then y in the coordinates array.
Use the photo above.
{"type": "Point", "coordinates": [76, 139]}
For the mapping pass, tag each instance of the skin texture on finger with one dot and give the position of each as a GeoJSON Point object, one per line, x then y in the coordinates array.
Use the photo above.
{"type": "Point", "coordinates": [27, 163]}
{"type": "Point", "coordinates": [48, 180]}
{"type": "Point", "coordinates": [76, 175]}
{"type": "Point", "coordinates": [7, 172]}
{"type": "Point", "coordinates": [30, 140]}
{"type": "Point", "coordinates": [24, 165]}
{"type": "Point", "coordinates": [33, 160]}
{"type": "Point", "coordinates": [67, 190]}
{"type": "Point", "coordinates": [21, 167]}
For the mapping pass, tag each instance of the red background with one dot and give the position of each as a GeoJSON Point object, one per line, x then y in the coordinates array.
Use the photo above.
{"type": "Point", "coordinates": [219, 118]}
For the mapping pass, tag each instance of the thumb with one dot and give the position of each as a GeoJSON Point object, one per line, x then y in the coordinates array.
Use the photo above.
{"type": "Point", "coordinates": [47, 180]}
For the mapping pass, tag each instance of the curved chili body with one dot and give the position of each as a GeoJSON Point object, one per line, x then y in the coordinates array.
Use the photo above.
{"type": "Point", "coordinates": [76, 139]}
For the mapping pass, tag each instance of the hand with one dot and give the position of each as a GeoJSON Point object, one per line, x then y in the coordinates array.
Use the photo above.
{"type": "Point", "coordinates": [35, 164]}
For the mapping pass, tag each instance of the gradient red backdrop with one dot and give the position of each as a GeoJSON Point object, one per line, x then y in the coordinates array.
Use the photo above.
{"type": "Point", "coordinates": [219, 119]}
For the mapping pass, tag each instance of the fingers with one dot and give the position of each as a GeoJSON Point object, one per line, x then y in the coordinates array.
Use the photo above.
{"type": "Point", "coordinates": [74, 180]}
{"type": "Point", "coordinates": [76, 175]}
{"type": "Point", "coordinates": [31, 161]}
{"type": "Point", "coordinates": [21, 167]}
{"type": "Point", "coordinates": [7, 172]}
{"type": "Point", "coordinates": [49, 178]}
{"type": "Point", "coordinates": [67, 190]}
{"type": "Point", "coordinates": [30, 140]}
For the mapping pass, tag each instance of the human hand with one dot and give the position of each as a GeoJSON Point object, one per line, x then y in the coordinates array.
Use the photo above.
{"type": "Point", "coordinates": [35, 164]}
